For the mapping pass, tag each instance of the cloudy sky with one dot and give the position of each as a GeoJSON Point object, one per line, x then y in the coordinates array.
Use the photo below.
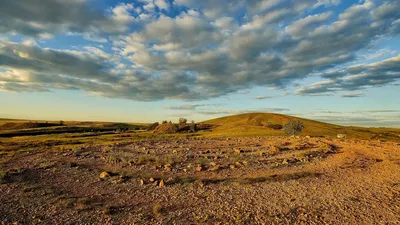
{"type": "Point", "coordinates": [146, 60]}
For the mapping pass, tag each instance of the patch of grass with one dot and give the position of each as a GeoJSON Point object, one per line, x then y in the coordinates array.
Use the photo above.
{"type": "Point", "coordinates": [111, 159]}
{"type": "Point", "coordinates": [3, 175]}
{"type": "Point", "coordinates": [202, 161]}
{"type": "Point", "coordinates": [46, 165]}
{"type": "Point", "coordinates": [143, 159]}
{"type": "Point", "coordinates": [157, 210]}
{"type": "Point", "coordinates": [77, 203]}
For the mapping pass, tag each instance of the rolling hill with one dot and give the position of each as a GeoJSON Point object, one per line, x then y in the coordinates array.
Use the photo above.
{"type": "Point", "coordinates": [259, 124]}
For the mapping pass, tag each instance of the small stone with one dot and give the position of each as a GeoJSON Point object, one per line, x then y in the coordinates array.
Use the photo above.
{"type": "Point", "coordinates": [170, 180]}
{"type": "Point", "coordinates": [198, 168]}
{"type": "Point", "coordinates": [285, 162]}
{"type": "Point", "coordinates": [200, 183]}
{"type": "Point", "coordinates": [161, 184]}
{"type": "Point", "coordinates": [104, 174]}
{"type": "Point", "coordinates": [232, 166]}
{"type": "Point", "coordinates": [214, 168]}
{"type": "Point", "coordinates": [141, 181]}
{"type": "Point", "coordinates": [118, 180]}
{"type": "Point", "coordinates": [151, 180]}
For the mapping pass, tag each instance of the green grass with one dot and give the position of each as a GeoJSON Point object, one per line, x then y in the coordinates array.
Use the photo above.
{"type": "Point", "coordinates": [256, 124]}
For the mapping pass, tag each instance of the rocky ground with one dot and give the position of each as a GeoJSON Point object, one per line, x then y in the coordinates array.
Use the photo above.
{"type": "Point", "coordinates": [254, 180]}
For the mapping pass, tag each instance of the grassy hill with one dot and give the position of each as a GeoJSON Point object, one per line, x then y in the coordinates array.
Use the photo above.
{"type": "Point", "coordinates": [251, 124]}
{"type": "Point", "coordinates": [259, 124]}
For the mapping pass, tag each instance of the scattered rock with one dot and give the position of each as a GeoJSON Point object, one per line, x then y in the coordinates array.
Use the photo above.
{"type": "Point", "coordinates": [200, 183]}
{"type": "Point", "coordinates": [170, 180]}
{"type": "Point", "coordinates": [152, 180]}
{"type": "Point", "coordinates": [238, 151]}
{"type": "Point", "coordinates": [198, 168]}
{"type": "Point", "coordinates": [119, 180]}
{"type": "Point", "coordinates": [104, 175]}
{"type": "Point", "coordinates": [214, 168]}
{"type": "Point", "coordinates": [161, 184]}
{"type": "Point", "coordinates": [141, 181]}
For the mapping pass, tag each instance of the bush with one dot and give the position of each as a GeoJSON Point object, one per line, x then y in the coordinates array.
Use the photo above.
{"type": "Point", "coordinates": [275, 126]}
{"type": "Point", "coordinates": [153, 126]}
{"type": "Point", "coordinates": [164, 122]}
{"type": "Point", "coordinates": [193, 126]}
{"type": "Point", "coordinates": [293, 127]}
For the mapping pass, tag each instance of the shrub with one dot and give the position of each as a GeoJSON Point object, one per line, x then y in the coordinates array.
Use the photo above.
{"type": "Point", "coordinates": [293, 127]}
{"type": "Point", "coordinates": [193, 126]}
{"type": "Point", "coordinates": [164, 122]}
{"type": "Point", "coordinates": [275, 126]}
{"type": "Point", "coordinates": [182, 120]}
{"type": "Point", "coordinates": [153, 126]}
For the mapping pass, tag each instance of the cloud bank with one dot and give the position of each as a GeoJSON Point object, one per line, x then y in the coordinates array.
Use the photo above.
{"type": "Point", "coordinates": [205, 50]}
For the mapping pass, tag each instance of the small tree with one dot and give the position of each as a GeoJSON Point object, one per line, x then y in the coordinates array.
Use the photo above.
{"type": "Point", "coordinates": [164, 122]}
{"type": "Point", "coordinates": [182, 120]}
{"type": "Point", "coordinates": [61, 122]}
{"type": "Point", "coordinates": [293, 127]}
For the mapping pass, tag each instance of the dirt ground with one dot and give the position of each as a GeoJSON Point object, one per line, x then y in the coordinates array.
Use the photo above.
{"type": "Point", "coordinates": [248, 180]}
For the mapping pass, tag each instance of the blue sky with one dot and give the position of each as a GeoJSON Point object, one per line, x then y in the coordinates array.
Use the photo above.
{"type": "Point", "coordinates": [151, 60]}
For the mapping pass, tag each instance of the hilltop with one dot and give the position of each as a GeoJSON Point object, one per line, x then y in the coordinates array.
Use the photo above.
{"type": "Point", "coordinates": [251, 124]}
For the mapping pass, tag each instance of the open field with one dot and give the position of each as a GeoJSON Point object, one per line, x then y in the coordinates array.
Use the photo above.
{"type": "Point", "coordinates": [227, 175]}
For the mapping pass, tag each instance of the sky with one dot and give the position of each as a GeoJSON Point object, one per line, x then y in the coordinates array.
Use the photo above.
{"type": "Point", "coordinates": [336, 61]}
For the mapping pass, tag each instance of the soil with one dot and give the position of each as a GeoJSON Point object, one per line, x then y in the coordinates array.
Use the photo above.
{"type": "Point", "coordinates": [246, 180]}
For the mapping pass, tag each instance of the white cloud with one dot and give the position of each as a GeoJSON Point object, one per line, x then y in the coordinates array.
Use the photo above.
{"type": "Point", "coordinates": [204, 52]}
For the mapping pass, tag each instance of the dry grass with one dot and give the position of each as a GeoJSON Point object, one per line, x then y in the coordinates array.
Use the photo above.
{"type": "Point", "coordinates": [258, 124]}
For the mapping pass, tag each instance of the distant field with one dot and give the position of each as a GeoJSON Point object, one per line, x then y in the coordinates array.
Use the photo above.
{"type": "Point", "coordinates": [252, 124]}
